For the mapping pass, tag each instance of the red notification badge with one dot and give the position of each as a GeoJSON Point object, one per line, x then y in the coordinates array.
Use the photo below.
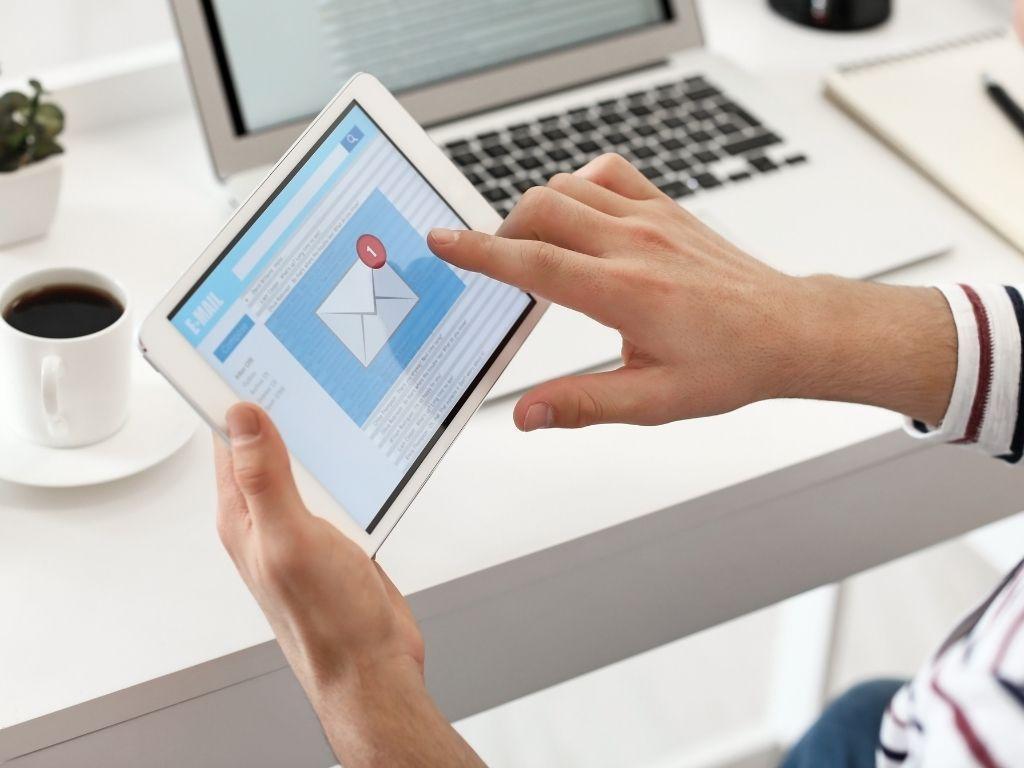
{"type": "Point", "coordinates": [371, 251]}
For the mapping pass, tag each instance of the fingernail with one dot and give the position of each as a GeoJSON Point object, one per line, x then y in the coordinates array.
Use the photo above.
{"type": "Point", "coordinates": [441, 236]}
{"type": "Point", "coordinates": [538, 416]}
{"type": "Point", "coordinates": [243, 423]}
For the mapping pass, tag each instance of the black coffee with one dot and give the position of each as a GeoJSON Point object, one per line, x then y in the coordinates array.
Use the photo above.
{"type": "Point", "coordinates": [63, 311]}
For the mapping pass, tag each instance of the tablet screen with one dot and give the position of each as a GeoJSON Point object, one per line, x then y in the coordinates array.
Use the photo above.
{"type": "Point", "coordinates": [330, 311]}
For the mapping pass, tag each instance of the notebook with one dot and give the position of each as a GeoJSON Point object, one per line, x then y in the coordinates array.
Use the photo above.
{"type": "Point", "coordinates": [931, 107]}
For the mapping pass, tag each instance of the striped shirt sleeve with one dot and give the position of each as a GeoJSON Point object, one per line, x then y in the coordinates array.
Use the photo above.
{"type": "Point", "coordinates": [985, 407]}
{"type": "Point", "coordinates": [966, 705]}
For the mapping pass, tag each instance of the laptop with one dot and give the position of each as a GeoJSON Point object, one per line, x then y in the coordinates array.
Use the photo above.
{"type": "Point", "coordinates": [516, 92]}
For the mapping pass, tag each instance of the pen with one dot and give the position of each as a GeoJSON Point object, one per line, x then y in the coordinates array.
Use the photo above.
{"type": "Point", "coordinates": [1005, 102]}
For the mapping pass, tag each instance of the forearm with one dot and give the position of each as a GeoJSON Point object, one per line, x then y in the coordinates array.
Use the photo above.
{"type": "Point", "coordinates": [386, 717]}
{"type": "Point", "coordinates": [889, 346]}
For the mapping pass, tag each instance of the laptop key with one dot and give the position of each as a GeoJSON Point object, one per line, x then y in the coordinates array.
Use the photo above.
{"type": "Point", "coordinates": [645, 130]}
{"type": "Point", "coordinates": [707, 180]}
{"type": "Point", "coordinates": [672, 144]}
{"type": "Point", "coordinates": [475, 179]}
{"type": "Point", "coordinates": [676, 190]}
{"type": "Point", "coordinates": [677, 164]}
{"type": "Point", "coordinates": [706, 156]}
{"type": "Point", "coordinates": [555, 134]}
{"type": "Point", "coordinates": [644, 152]}
{"type": "Point", "coordinates": [496, 194]}
{"type": "Point", "coordinates": [588, 146]}
{"type": "Point", "coordinates": [651, 171]}
{"type": "Point", "coordinates": [558, 154]}
{"type": "Point", "coordinates": [763, 164]}
{"type": "Point", "coordinates": [528, 162]}
{"type": "Point", "coordinates": [745, 116]}
{"type": "Point", "coordinates": [522, 185]}
{"type": "Point", "coordinates": [496, 150]}
{"type": "Point", "coordinates": [703, 93]}
{"type": "Point", "coordinates": [498, 171]}
{"type": "Point", "coordinates": [525, 142]}
{"type": "Point", "coordinates": [742, 146]}
{"type": "Point", "coordinates": [466, 159]}
{"type": "Point", "coordinates": [739, 176]}
{"type": "Point", "coordinates": [796, 159]}
{"type": "Point", "coordinates": [584, 126]}
{"type": "Point", "coordinates": [613, 118]}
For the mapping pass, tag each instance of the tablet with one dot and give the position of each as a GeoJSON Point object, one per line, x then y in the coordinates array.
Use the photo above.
{"type": "Point", "coordinates": [320, 301]}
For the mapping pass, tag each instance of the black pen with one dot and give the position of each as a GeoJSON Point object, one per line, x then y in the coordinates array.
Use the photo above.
{"type": "Point", "coordinates": [1005, 102]}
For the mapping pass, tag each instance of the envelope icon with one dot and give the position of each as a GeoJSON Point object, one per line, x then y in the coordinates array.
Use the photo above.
{"type": "Point", "coordinates": [365, 309]}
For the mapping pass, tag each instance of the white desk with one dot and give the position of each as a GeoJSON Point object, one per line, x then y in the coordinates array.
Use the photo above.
{"type": "Point", "coordinates": [529, 559]}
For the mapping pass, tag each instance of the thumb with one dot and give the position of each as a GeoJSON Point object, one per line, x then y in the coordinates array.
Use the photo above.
{"type": "Point", "coordinates": [623, 396]}
{"type": "Point", "coordinates": [261, 467]}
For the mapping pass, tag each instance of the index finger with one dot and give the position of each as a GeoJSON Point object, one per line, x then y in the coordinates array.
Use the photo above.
{"type": "Point", "coordinates": [559, 275]}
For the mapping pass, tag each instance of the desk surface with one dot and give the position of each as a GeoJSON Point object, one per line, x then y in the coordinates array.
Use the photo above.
{"type": "Point", "coordinates": [106, 587]}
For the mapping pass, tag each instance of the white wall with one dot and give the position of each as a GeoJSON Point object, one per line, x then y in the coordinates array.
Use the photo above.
{"type": "Point", "coordinates": [38, 36]}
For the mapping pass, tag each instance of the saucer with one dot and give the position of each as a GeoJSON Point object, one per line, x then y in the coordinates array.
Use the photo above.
{"type": "Point", "coordinates": [159, 423]}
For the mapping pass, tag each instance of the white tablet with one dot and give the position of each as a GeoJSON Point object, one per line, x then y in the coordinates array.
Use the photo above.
{"type": "Point", "coordinates": [321, 301]}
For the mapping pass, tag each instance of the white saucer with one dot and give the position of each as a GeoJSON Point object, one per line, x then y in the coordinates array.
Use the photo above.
{"type": "Point", "coordinates": [159, 423]}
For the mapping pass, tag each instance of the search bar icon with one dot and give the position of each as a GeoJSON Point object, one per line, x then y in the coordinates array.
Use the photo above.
{"type": "Point", "coordinates": [352, 138]}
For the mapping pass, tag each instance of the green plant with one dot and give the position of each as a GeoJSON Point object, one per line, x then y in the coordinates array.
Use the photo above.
{"type": "Point", "coordinates": [28, 128]}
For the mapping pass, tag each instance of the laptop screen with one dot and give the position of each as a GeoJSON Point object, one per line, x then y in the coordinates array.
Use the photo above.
{"type": "Point", "coordinates": [282, 60]}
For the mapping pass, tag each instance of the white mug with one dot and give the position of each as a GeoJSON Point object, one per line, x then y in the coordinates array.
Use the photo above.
{"type": "Point", "coordinates": [65, 392]}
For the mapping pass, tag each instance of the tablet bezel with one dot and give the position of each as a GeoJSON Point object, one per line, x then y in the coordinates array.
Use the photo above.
{"type": "Point", "coordinates": [211, 396]}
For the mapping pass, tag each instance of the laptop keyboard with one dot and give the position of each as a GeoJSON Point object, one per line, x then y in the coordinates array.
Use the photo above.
{"type": "Point", "coordinates": [686, 137]}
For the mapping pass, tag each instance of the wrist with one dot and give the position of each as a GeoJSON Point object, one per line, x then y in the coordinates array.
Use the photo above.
{"type": "Point", "coordinates": [376, 711]}
{"type": "Point", "coordinates": [362, 682]}
{"type": "Point", "coordinates": [889, 346]}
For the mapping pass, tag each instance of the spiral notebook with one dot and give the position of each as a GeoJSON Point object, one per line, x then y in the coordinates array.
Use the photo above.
{"type": "Point", "coordinates": [930, 106]}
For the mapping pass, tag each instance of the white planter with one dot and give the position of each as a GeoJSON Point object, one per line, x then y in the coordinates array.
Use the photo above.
{"type": "Point", "coordinates": [28, 200]}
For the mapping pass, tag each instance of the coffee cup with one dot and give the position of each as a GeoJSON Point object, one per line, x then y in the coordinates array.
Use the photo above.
{"type": "Point", "coordinates": [65, 356]}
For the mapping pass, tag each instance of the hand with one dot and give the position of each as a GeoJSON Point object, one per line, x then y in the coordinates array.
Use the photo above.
{"type": "Point", "coordinates": [344, 628]}
{"type": "Point", "coordinates": [705, 327]}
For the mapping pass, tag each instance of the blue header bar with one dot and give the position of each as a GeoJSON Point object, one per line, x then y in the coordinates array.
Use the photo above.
{"type": "Point", "coordinates": [266, 235]}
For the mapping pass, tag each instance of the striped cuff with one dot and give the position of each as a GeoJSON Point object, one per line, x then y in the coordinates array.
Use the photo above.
{"type": "Point", "coordinates": [984, 409]}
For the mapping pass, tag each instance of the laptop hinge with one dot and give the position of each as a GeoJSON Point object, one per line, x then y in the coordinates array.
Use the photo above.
{"type": "Point", "coordinates": [544, 94]}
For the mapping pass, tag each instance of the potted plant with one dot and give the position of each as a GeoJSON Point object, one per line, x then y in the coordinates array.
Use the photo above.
{"type": "Point", "coordinates": [30, 169]}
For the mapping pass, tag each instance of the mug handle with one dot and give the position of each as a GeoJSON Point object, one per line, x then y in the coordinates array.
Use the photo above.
{"type": "Point", "coordinates": [52, 372]}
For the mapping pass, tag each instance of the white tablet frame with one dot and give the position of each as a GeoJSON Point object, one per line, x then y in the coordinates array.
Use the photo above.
{"type": "Point", "coordinates": [182, 365]}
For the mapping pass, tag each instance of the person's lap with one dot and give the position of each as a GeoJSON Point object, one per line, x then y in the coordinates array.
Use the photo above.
{"type": "Point", "coordinates": [846, 734]}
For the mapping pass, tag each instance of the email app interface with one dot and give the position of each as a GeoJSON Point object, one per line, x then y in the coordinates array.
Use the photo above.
{"type": "Point", "coordinates": [330, 312]}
